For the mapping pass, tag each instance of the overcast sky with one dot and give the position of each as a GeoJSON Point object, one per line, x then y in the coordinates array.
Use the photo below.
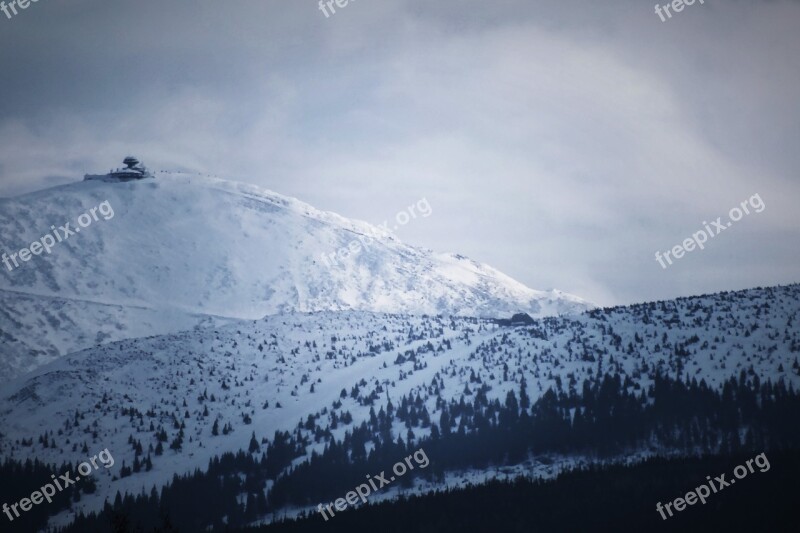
{"type": "Point", "coordinates": [561, 142]}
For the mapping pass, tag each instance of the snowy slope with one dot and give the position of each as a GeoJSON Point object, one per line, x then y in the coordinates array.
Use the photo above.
{"type": "Point", "coordinates": [271, 374]}
{"type": "Point", "coordinates": [37, 329]}
{"type": "Point", "coordinates": [181, 249]}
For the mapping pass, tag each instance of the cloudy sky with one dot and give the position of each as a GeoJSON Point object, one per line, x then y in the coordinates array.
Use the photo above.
{"type": "Point", "coordinates": [561, 142]}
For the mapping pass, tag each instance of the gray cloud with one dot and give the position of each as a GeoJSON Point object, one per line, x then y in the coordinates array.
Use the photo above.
{"type": "Point", "coordinates": [563, 144]}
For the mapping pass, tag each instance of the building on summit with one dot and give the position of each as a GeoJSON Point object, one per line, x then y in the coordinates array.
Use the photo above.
{"type": "Point", "coordinates": [134, 170]}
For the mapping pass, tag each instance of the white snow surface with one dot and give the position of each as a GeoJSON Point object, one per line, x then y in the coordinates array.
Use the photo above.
{"type": "Point", "coordinates": [282, 369]}
{"type": "Point", "coordinates": [183, 250]}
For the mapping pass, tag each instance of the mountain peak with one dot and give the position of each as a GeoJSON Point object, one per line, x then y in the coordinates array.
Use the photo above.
{"type": "Point", "coordinates": [182, 249]}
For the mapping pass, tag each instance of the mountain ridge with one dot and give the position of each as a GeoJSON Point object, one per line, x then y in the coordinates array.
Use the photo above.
{"type": "Point", "coordinates": [182, 249]}
{"type": "Point", "coordinates": [319, 376]}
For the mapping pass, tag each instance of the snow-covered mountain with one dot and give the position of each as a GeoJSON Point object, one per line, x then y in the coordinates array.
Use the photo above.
{"type": "Point", "coordinates": [319, 376]}
{"type": "Point", "coordinates": [184, 250]}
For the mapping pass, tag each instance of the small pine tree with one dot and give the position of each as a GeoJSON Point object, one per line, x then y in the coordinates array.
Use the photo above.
{"type": "Point", "coordinates": [254, 447]}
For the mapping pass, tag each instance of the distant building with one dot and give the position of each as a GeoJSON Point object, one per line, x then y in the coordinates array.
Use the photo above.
{"type": "Point", "coordinates": [134, 170]}
{"type": "Point", "coordinates": [519, 319]}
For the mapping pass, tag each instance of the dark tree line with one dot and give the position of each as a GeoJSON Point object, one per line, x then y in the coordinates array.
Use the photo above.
{"type": "Point", "coordinates": [20, 479]}
{"type": "Point", "coordinates": [612, 498]}
{"type": "Point", "coordinates": [609, 417]}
